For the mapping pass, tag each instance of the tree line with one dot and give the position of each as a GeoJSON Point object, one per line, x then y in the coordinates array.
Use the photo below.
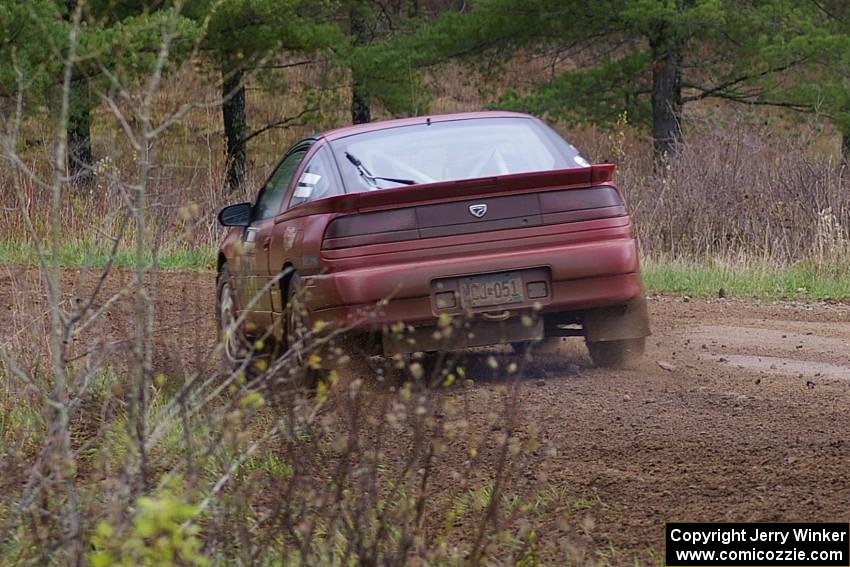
{"type": "Point", "coordinates": [648, 58]}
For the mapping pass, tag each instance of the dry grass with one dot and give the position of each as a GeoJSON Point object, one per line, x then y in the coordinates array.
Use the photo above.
{"type": "Point", "coordinates": [741, 191]}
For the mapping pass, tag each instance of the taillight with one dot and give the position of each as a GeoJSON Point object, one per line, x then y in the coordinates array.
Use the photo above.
{"type": "Point", "coordinates": [581, 204]}
{"type": "Point", "coordinates": [577, 199]}
{"type": "Point", "coordinates": [371, 228]}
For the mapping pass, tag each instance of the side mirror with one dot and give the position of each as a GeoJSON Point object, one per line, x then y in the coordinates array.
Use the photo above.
{"type": "Point", "coordinates": [236, 215]}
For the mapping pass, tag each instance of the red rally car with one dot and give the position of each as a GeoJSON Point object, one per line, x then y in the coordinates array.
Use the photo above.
{"type": "Point", "coordinates": [487, 216]}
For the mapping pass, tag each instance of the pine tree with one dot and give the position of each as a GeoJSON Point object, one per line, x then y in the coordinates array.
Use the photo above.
{"type": "Point", "coordinates": [120, 37]}
{"type": "Point", "coordinates": [647, 57]}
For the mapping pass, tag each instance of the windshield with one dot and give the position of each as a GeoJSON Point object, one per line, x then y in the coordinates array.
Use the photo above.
{"type": "Point", "coordinates": [447, 151]}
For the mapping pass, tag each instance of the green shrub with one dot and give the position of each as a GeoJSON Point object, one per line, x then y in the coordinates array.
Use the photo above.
{"type": "Point", "coordinates": [162, 534]}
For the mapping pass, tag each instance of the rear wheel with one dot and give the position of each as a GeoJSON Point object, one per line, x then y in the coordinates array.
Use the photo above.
{"type": "Point", "coordinates": [298, 337]}
{"type": "Point", "coordinates": [624, 353]}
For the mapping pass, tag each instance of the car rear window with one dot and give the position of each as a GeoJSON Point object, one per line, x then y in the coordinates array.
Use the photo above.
{"type": "Point", "coordinates": [452, 150]}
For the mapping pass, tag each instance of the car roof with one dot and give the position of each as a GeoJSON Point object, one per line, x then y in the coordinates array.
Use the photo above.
{"type": "Point", "coordinates": [386, 124]}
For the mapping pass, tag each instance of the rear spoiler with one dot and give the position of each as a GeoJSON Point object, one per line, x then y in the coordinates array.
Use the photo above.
{"type": "Point", "coordinates": [451, 190]}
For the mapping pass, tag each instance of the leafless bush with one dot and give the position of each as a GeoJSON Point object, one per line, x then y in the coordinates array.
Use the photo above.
{"type": "Point", "coordinates": [739, 190]}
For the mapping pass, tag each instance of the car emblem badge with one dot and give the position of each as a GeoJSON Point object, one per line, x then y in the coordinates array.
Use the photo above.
{"type": "Point", "coordinates": [478, 210]}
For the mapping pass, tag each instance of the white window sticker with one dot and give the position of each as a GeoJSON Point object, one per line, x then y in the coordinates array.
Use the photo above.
{"type": "Point", "coordinates": [309, 179]}
{"type": "Point", "coordinates": [303, 191]}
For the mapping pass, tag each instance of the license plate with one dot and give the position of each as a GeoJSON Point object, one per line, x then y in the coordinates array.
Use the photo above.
{"type": "Point", "coordinates": [491, 289]}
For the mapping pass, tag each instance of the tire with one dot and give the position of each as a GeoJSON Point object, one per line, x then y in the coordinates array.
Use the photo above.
{"type": "Point", "coordinates": [297, 330]}
{"type": "Point", "coordinates": [240, 350]}
{"type": "Point", "coordinates": [616, 354]}
{"type": "Point", "coordinates": [235, 344]}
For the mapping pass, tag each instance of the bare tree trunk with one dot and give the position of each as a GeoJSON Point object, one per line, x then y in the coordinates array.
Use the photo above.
{"type": "Point", "coordinates": [360, 111]}
{"type": "Point", "coordinates": [666, 92]}
{"type": "Point", "coordinates": [79, 132]}
{"type": "Point", "coordinates": [233, 113]}
{"type": "Point", "coordinates": [78, 126]}
{"type": "Point", "coordinates": [61, 428]}
{"type": "Point", "coordinates": [845, 146]}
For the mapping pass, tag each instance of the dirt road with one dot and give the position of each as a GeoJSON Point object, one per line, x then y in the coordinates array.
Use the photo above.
{"type": "Point", "coordinates": [746, 420]}
{"type": "Point", "coordinates": [739, 412]}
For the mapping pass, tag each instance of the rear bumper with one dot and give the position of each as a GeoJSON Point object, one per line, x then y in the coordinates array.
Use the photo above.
{"type": "Point", "coordinates": [582, 276]}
